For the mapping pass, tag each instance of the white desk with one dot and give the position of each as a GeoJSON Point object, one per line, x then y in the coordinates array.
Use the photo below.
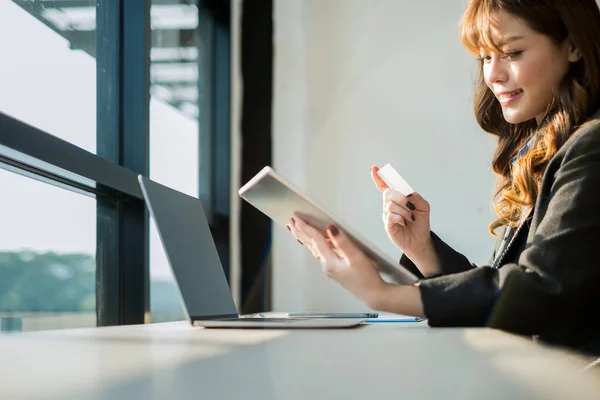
{"type": "Point", "coordinates": [385, 361]}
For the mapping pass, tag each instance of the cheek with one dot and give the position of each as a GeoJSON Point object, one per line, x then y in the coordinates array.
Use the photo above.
{"type": "Point", "coordinates": [541, 77]}
{"type": "Point", "coordinates": [525, 77]}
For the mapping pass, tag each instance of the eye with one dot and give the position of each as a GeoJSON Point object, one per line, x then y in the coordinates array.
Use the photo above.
{"type": "Point", "coordinates": [513, 55]}
{"type": "Point", "coordinates": [484, 59]}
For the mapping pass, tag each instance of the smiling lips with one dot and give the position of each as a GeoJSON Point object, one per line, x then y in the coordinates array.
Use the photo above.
{"type": "Point", "coordinates": [508, 97]}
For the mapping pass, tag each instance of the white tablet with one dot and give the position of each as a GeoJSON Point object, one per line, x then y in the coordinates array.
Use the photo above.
{"type": "Point", "coordinates": [280, 201]}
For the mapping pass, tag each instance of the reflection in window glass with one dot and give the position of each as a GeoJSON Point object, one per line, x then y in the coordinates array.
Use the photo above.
{"type": "Point", "coordinates": [48, 69]}
{"type": "Point", "coordinates": [47, 256]}
{"type": "Point", "coordinates": [174, 130]}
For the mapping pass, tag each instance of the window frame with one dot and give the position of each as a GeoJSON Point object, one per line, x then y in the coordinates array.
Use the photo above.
{"type": "Point", "coordinates": [123, 105]}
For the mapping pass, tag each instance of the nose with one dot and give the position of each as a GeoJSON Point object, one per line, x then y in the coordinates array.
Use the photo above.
{"type": "Point", "coordinates": [495, 71]}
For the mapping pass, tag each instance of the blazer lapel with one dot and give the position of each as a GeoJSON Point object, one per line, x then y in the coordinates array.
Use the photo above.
{"type": "Point", "coordinates": [497, 245]}
{"type": "Point", "coordinates": [505, 244]}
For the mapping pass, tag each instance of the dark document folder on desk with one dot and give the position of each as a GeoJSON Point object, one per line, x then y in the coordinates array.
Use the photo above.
{"type": "Point", "coordinates": [192, 254]}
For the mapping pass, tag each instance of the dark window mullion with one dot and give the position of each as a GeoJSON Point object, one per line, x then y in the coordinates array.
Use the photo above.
{"type": "Point", "coordinates": [108, 94]}
{"type": "Point", "coordinates": [213, 120]}
{"type": "Point", "coordinates": [135, 304]}
{"type": "Point", "coordinates": [205, 45]}
{"type": "Point", "coordinates": [221, 159]}
{"type": "Point", "coordinates": [123, 32]}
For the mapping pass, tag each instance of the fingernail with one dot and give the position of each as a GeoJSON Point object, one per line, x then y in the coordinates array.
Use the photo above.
{"type": "Point", "coordinates": [411, 206]}
{"type": "Point", "coordinates": [408, 195]}
{"type": "Point", "coordinates": [293, 221]}
{"type": "Point", "coordinates": [405, 222]}
{"type": "Point", "coordinates": [300, 242]}
{"type": "Point", "coordinates": [289, 229]}
{"type": "Point", "coordinates": [413, 217]}
{"type": "Point", "coordinates": [334, 231]}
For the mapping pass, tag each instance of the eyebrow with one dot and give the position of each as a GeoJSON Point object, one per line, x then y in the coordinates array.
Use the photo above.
{"type": "Point", "coordinates": [508, 40]}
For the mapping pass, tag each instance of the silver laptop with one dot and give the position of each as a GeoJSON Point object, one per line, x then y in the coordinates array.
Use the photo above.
{"type": "Point", "coordinates": [193, 258]}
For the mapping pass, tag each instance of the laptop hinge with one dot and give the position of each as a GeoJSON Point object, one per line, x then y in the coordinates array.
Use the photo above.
{"type": "Point", "coordinates": [213, 317]}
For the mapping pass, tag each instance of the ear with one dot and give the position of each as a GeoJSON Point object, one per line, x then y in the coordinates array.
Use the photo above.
{"type": "Point", "coordinates": [574, 52]}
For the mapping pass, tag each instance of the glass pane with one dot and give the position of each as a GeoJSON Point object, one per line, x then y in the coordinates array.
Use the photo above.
{"type": "Point", "coordinates": [47, 256]}
{"type": "Point", "coordinates": [174, 130]}
{"type": "Point", "coordinates": [48, 69]}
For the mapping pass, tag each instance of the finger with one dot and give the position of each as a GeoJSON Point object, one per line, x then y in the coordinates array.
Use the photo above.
{"type": "Point", "coordinates": [300, 236]}
{"type": "Point", "coordinates": [390, 220]}
{"type": "Point", "coordinates": [319, 244]}
{"type": "Point", "coordinates": [306, 232]}
{"type": "Point", "coordinates": [393, 208]}
{"type": "Point", "coordinates": [305, 229]}
{"type": "Point", "coordinates": [305, 239]}
{"type": "Point", "coordinates": [342, 242]}
{"type": "Point", "coordinates": [381, 185]}
{"type": "Point", "coordinates": [413, 202]}
{"type": "Point", "coordinates": [324, 248]}
{"type": "Point", "coordinates": [292, 227]}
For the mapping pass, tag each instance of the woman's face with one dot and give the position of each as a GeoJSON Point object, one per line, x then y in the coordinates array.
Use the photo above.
{"type": "Point", "coordinates": [525, 74]}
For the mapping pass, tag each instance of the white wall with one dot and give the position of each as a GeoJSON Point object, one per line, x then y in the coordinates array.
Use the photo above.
{"type": "Point", "coordinates": [361, 82]}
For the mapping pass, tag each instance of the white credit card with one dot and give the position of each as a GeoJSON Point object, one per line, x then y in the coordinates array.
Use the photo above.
{"type": "Point", "coordinates": [394, 180]}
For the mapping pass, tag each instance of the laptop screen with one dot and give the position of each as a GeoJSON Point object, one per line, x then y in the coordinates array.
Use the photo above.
{"type": "Point", "coordinates": [191, 251]}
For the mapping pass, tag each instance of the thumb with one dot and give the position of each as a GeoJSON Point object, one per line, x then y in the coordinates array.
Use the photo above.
{"type": "Point", "coordinates": [343, 243]}
{"type": "Point", "coordinates": [381, 185]}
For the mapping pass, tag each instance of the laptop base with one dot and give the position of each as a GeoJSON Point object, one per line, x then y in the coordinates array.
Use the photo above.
{"type": "Point", "coordinates": [279, 323]}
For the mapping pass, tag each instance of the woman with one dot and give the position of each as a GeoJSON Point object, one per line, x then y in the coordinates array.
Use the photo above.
{"type": "Point", "coordinates": [539, 93]}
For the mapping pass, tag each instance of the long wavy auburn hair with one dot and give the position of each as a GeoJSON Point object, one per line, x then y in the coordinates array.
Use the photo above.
{"type": "Point", "coordinates": [575, 99]}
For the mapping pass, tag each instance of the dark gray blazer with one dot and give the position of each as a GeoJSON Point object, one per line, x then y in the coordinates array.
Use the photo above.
{"type": "Point", "coordinates": [548, 282]}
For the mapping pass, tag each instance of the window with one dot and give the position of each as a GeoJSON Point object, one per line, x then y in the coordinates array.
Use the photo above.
{"type": "Point", "coordinates": [82, 214]}
{"type": "Point", "coordinates": [174, 130]}
{"type": "Point", "coordinates": [94, 93]}
{"type": "Point", "coordinates": [48, 69]}
{"type": "Point", "coordinates": [47, 256]}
